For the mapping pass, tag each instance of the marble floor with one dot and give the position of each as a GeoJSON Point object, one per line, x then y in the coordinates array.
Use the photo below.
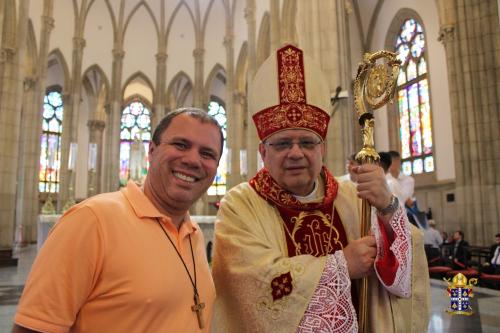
{"type": "Point", "coordinates": [486, 302]}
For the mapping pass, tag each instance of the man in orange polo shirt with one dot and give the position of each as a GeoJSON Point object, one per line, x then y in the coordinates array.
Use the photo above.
{"type": "Point", "coordinates": [132, 260]}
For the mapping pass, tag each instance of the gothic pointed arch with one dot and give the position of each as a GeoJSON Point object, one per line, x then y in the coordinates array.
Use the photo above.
{"type": "Point", "coordinates": [215, 83]}
{"type": "Point", "coordinates": [31, 56]}
{"type": "Point", "coordinates": [97, 85]}
{"type": "Point", "coordinates": [57, 71]}
{"type": "Point", "coordinates": [241, 68]}
{"type": "Point", "coordinates": [134, 11]}
{"type": "Point", "coordinates": [180, 91]}
{"type": "Point", "coordinates": [176, 11]}
{"type": "Point", "coordinates": [139, 83]}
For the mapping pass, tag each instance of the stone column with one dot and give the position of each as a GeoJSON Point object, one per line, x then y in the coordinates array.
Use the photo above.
{"type": "Point", "coordinates": [96, 128]}
{"type": "Point", "coordinates": [70, 123]}
{"type": "Point", "coordinates": [201, 206]}
{"type": "Point", "coordinates": [29, 159]}
{"type": "Point", "coordinates": [27, 206]}
{"type": "Point", "coordinates": [198, 78]}
{"type": "Point", "coordinates": [252, 139]}
{"type": "Point", "coordinates": [112, 157]}
{"type": "Point", "coordinates": [344, 113]}
{"type": "Point", "coordinates": [470, 34]}
{"type": "Point", "coordinates": [161, 77]}
{"type": "Point", "coordinates": [233, 126]}
{"type": "Point", "coordinates": [12, 52]}
{"type": "Point", "coordinates": [239, 103]}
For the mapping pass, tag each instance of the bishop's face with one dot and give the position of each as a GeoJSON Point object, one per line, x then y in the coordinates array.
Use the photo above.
{"type": "Point", "coordinates": [294, 158]}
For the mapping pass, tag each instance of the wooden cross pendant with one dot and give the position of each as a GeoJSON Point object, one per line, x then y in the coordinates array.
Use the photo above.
{"type": "Point", "coordinates": [198, 308]}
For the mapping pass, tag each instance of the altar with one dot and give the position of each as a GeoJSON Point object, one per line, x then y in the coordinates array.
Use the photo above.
{"type": "Point", "coordinates": [46, 222]}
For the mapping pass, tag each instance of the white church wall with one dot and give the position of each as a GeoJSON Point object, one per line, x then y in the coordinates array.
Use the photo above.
{"type": "Point", "coordinates": [98, 36]}
{"type": "Point", "coordinates": [140, 45]}
{"type": "Point", "coordinates": [217, 87]}
{"type": "Point", "coordinates": [138, 87]}
{"type": "Point", "coordinates": [261, 8]}
{"type": "Point", "coordinates": [440, 104]}
{"type": "Point", "coordinates": [215, 51]}
{"type": "Point", "coordinates": [356, 42]}
{"type": "Point", "coordinates": [240, 29]}
{"type": "Point", "coordinates": [62, 34]}
{"type": "Point", "coordinates": [180, 46]}
{"type": "Point", "coordinates": [35, 11]}
{"type": "Point", "coordinates": [55, 75]}
{"type": "Point", "coordinates": [81, 168]}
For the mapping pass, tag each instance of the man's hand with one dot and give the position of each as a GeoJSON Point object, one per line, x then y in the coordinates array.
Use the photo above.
{"type": "Point", "coordinates": [360, 256]}
{"type": "Point", "coordinates": [409, 202]}
{"type": "Point", "coordinates": [372, 185]}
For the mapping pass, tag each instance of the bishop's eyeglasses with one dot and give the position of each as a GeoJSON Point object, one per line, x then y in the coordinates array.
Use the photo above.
{"type": "Point", "coordinates": [285, 145]}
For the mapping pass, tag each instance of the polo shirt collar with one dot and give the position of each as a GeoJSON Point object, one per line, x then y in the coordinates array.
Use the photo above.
{"type": "Point", "coordinates": [143, 207]}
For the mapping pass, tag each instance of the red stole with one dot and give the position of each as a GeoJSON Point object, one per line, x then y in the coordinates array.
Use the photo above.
{"type": "Point", "coordinates": [309, 227]}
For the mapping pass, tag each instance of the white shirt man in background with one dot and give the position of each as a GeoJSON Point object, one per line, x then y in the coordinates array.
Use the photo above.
{"type": "Point", "coordinates": [350, 163]}
{"type": "Point", "coordinates": [394, 186]}
{"type": "Point", "coordinates": [406, 183]}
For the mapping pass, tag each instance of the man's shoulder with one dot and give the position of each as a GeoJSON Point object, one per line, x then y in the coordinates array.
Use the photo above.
{"type": "Point", "coordinates": [112, 202]}
{"type": "Point", "coordinates": [406, 178]}
{"type": "Point", "coordinates": [105, 198]}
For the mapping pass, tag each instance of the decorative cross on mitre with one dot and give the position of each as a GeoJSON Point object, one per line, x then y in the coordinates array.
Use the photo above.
{"type": "Point", "coordinates": [289, 91]}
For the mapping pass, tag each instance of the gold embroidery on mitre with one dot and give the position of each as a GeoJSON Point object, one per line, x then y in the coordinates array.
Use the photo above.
{"type": "Point", "coordinates": [291, 115]}
{"type": "Point", "coordinates": [291, 76]}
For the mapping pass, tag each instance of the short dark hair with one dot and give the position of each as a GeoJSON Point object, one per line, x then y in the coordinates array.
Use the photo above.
{"type": "Point", "coordinates": [196, 113]}
{"type": "Point", "coordinates": [385, 160]}
{"type": "Point", "coordinates": [497, 235]}
{"type": "Point", "coordinates": [394, 154]}
{"type": "Point", "coordinates": [461, 233]}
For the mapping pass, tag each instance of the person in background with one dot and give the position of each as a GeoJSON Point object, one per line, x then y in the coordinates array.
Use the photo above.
{"type": "Point", "coordinates": [460, 251]}
{"type": "Point", "coordinates": [394, 187]}
{"type": "Point", "coordinates": [433, 242]}
{"type": "Point", "coordinates": [132, 260]}
{"type": "Point", "coordinates": [349, 165]}
{"type": "Point", "coordinates": [406, 183]}
{"type": "Point", "coordinates": [493, 264]}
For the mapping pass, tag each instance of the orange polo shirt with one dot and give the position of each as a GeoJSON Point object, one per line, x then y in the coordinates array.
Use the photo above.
{"type": "Point", "coordinates": [108, 267]}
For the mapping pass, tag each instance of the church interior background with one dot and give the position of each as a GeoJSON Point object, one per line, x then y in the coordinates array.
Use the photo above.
{"type": "Point", "coordinates": [83, 83]}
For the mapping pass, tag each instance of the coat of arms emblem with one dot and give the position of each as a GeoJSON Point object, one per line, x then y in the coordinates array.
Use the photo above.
{"type": "Point", "coordinates": [460, 294]}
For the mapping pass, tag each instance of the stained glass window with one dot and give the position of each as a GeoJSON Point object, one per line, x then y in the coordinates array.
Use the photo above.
{"type": "Point", "coordinates": [415, 128]}
{"type": "Point", "coordinates": [218, 187]}
{"type": "Point", "coordinates": [135, 135]}
{"type": "Point", "coordinates": [50, 141]}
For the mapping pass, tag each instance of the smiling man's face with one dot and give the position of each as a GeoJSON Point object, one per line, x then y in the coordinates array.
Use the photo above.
{"type": "Point", "coordinates": [297, 168]}
{"type": "Point", "coordinates": [184, 164]}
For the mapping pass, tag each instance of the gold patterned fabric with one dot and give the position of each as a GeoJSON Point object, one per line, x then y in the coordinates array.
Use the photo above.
{"type": "Point", "coordinates": [310, 228]}
{"type": "Point", "coordinates": [250, 252]}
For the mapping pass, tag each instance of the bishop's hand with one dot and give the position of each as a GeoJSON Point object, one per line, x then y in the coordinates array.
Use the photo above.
{"type": "Point", "coordinates": [360, 256]}
{"type": "Point", "coordinates": [372, 185]}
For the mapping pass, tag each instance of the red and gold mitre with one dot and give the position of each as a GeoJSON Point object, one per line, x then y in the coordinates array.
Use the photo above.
{"type": "Point", "coordinates": [289, 91]}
